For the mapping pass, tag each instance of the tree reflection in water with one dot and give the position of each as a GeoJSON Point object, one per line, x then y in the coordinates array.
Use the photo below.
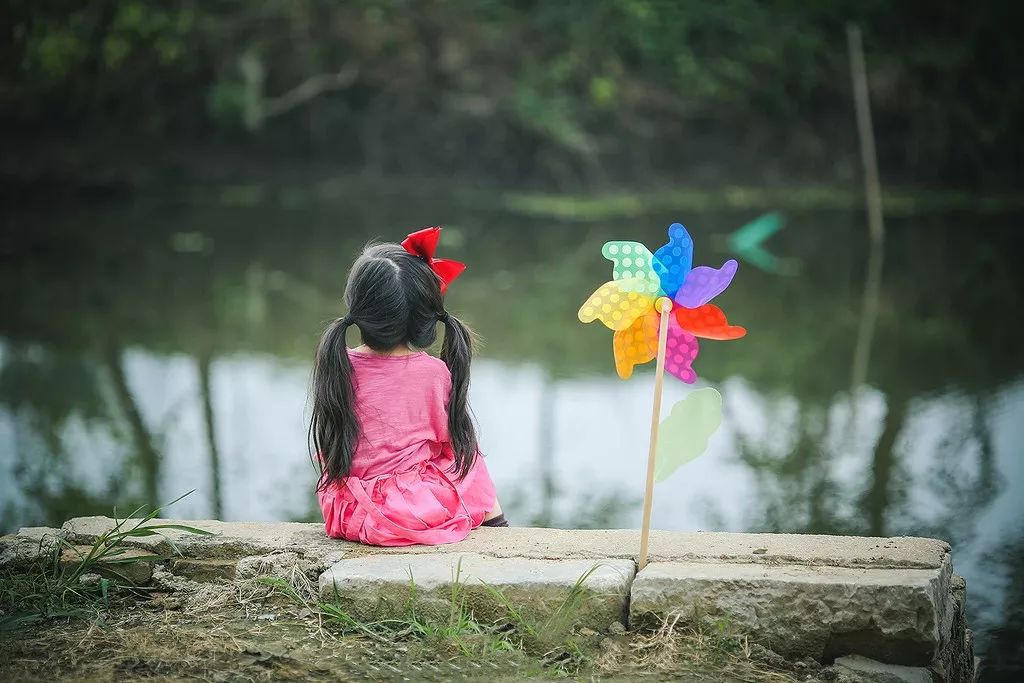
{"type": "Point", "coordinates": [95, 292]}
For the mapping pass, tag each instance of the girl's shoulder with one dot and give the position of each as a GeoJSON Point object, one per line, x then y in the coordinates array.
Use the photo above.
{"type": "Point", "coordinates": [421, 360]}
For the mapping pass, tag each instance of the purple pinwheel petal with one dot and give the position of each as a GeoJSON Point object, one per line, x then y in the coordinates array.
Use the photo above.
{"type": "Point", "coordinates": [673, 261]}
{"type": "Point", "coordinates": [705, 283]}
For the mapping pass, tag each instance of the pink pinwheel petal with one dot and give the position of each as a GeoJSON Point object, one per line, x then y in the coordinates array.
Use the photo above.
{"type": "Point", "coordinates": [681, 352]}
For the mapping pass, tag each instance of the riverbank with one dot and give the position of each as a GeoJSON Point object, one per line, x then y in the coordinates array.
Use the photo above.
{"type": "Point", "coordinates": [530, 601]}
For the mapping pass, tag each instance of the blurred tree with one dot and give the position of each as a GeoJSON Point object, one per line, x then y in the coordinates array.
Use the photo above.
{"type": "Point", "coordinates": [533, 91]}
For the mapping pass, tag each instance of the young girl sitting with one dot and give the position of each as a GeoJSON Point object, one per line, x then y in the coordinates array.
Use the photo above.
{"type": "Point", "coordinates": [391, 425]}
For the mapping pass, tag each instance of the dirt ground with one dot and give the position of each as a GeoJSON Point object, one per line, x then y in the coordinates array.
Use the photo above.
{"type": "Point", "coordinates": [247, 630]}
{"type": "Point", "coordinates": [259, 642]}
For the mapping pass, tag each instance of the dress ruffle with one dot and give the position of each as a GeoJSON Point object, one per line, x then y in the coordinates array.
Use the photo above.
{"type": "Point", "coordinates": [424, 504]}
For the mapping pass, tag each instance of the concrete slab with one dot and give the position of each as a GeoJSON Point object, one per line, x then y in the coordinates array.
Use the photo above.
{"type": "Point", "coordinates": [385, 586]}
{"type": "Point", "coordinates": [866, 670]}
{"type": "Point", "coordinates": [893, 615]}
{"type": "Point", "coordinates": [28, 545]}
{"type": "Point", "coordinates": [665, 546]}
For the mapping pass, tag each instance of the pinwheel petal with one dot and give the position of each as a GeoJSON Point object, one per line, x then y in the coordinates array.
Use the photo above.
{"type": "Point", "coordinates": [618, 303]}
{"type": "Point", "coordinates": [680, 352]}
{"type": "Point", "coordinates": [705, 283]}
{"type": "Point", "coordinates": [673, 261]}
{"type": "Point", "coordinates": [707, 321]}
{"type": "Point", "coordinates": [636, 345]}
{"type": "Point", "coordinates": [631, 260]}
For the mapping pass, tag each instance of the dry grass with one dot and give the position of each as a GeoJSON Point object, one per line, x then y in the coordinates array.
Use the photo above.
{"type": "Point", "coordinates": [677, 649]}
{"type": "Point", "coordinates": [255, 635]}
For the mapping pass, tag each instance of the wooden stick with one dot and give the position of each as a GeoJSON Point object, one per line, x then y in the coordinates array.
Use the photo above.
{"type": "Point", "coordinates": [664, 305]}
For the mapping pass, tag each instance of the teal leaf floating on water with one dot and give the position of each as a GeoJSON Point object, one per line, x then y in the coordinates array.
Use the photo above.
{"type": "Point", "coordinates": [684, 434]}
{"type": "Point", "coordinates": [747, 242]}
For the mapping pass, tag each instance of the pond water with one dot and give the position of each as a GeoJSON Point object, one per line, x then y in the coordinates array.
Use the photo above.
{"type": "Point", "coordinates": [161, 344]}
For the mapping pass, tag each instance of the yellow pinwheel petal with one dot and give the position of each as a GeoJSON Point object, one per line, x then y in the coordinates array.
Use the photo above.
{"type": "Point", "coordinates": [619, 302]}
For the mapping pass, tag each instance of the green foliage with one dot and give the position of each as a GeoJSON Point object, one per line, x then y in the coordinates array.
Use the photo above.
{"type": "Point", "coordinates": [630, 85]}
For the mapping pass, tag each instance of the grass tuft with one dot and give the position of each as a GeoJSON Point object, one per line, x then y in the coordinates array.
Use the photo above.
{"type": "Point", "coordinates": [547, 644]}
{"type": "Point", "coordinates": [695, 649]}
{"type": "Point", "coordinates": [53, 588]}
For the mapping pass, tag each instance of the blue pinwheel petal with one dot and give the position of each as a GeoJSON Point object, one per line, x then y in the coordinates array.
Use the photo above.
{"type": "Point", "coordinates": [673, 261]}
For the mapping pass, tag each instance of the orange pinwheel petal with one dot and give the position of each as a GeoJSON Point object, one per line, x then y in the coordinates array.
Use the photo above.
{"type": "Point", "coordinates": [636, 345]}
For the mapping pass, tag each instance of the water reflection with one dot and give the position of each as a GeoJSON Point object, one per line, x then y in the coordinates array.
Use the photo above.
{"type": "Point", "coordinates": [139, 363]}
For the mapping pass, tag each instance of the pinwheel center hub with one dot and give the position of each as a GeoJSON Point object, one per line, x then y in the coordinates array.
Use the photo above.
{"type": "Point", "coordinates": [663, 304]}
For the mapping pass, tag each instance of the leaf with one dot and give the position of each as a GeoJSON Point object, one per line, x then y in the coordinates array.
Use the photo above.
{"type": "Point", "coordinates": [684, 434]}
{"type": "Point", "coordinates": [180, 527]}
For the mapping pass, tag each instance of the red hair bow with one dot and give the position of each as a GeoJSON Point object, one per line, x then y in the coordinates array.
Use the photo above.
{"type": "Point", "coordinates": [423, 243]}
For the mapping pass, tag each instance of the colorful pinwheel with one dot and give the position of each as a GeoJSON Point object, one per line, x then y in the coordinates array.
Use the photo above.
{"type": "Point", "coordinates": [627, 303]}
{"type": "Point", "coordinates": [658, 305]}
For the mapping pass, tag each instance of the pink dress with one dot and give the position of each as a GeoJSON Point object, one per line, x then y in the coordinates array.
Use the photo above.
{"type": "Point", "coordinates": [401, 489]}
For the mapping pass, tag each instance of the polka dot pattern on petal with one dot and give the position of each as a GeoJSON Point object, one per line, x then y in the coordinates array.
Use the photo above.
{"type": "Point", "coordinates": [707, 321]}
{"type": "Point", "coordinates": [673, 261]}
{"type": "Point", "coordinates": [635, 345]}
{"type": "Point", "coordinates": [618, 303]}
{"type": "Point", "coordinates": [632, 261]}
{"type": "Point", "coordinates": [680, 352]}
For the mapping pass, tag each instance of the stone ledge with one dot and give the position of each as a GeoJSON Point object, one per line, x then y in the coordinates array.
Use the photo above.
{"type": "Point", "coordinates": [892, 599]}
{"type": "Point", "coordinates": [717, 547]}
{"type": "Point", "coordinates": [893, 615]}
{"type": "Point", "coordinates": [239, 539]}
{"type": "Point", "coordinates": [229, 539]}
{"type": "Point", "coordinates": [382, 586]}
{"type": "Point", "coordinates": [29, 544]}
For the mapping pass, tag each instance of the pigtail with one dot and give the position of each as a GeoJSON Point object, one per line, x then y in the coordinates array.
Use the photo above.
{"type": "Point", "coordinates": [457, 352]}
{"type": "Point", "coordinates": [334, 427]}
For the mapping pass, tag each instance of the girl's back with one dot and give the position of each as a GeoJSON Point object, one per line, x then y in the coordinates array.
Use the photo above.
{"type": "Point", "coordinates": [391, 425]}
{"type": "Point", "coordinates": [401, 404]}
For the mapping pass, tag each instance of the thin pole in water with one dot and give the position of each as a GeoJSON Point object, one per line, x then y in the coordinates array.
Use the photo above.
{"type": "Point", "coordinates": [873, 198]}
{"type": "Point", "coordinates": [664, 306]}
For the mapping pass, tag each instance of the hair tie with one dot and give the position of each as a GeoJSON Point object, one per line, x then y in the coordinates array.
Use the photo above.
{"type": "Point", "coordinates": [443, 316]}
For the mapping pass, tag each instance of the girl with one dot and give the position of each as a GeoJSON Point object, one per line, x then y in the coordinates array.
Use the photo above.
{"type": "Point", "coordinates": [397, 450]}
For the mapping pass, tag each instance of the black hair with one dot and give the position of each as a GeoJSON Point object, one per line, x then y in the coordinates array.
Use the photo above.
{"type": "Point", "coordinates": [394, 298]}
